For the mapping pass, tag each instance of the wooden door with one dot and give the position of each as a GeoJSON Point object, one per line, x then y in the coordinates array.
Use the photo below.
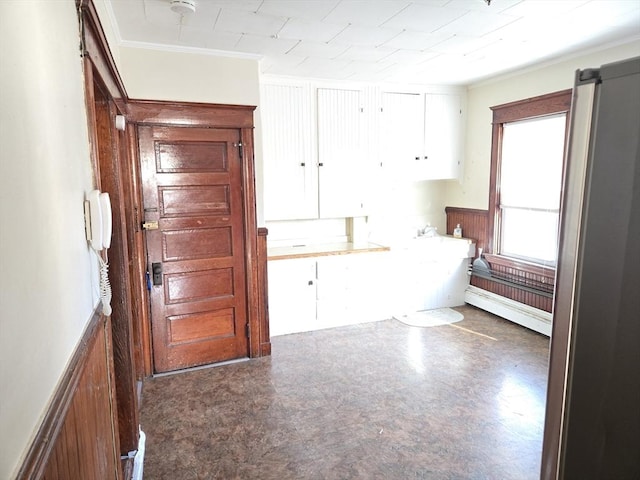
{"type": "Point", "coordinates": [192, 186]}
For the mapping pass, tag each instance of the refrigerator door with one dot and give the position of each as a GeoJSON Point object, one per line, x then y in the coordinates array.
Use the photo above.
{"type": "Point", "coordinates": [592, 428]}
{"type": "Point", "coordinates": [570, 220]}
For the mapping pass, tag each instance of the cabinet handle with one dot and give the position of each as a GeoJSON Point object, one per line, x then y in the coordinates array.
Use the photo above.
{"type": "Point", "coordinates": [310, 282]}
{"type": "Point", "coordinates": [321, 164]}
{"type": "Point", "coordinates": [417, 158]}
{"type": "Point", "coordinates": [302, 164]}
{"type": "Point", "coordinates": [426, 157]}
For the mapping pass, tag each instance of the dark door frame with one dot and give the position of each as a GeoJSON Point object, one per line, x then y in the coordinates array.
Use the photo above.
{"type": "Point", "coordinates": [237, 117]}
{"type": "Point", "coordinates": [104, 97]}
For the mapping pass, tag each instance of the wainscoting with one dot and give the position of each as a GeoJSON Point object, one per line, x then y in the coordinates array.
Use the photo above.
{"type": "Point", "coordinates": [473, 222]}
{"type": "Point", "coordinates": [522, 283]}
{"type": "Point", "coordinates": [79, 435]}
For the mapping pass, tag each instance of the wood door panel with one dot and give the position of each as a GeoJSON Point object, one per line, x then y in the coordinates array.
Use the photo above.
{"type": "Point", "coordinates": [195, 327]}
{"type": "Point", "coordinates": [198, 286]}
{"type": "Point", "coordinates": [192, 244]}
{"type": "Point", "coordinates": [187, 157]}
{"type": "Point", "coordinates": [193, 188]}
{"type": "Point", "coordinates": [194, 200]}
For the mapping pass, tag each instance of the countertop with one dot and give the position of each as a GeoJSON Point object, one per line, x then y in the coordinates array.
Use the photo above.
{"type": "Point", "coordinates": [324, 249]}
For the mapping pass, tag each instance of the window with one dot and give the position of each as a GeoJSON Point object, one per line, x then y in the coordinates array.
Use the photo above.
{"type": "Point", "coordinates": [526, 177]}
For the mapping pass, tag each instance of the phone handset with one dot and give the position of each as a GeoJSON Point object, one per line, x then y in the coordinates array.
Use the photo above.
{"type": "Point", "coordinates": [98, 226]}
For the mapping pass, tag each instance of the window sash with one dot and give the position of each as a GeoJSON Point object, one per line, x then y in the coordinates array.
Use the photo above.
{"type": "Point", "coordinates": [529, 234]}
{"type": "Point", "coordinates": [531, 161]}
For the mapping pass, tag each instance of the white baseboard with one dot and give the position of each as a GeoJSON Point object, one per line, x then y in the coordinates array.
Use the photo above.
{"type": "Point", "coordinates": [530, 317]}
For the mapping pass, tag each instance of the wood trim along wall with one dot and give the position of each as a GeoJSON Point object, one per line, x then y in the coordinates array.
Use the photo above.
{"type": "Point", "coordinates": [251, 240]}
{"type": "Point", "coordinates": [190, 114]}
{"type": "Point", "coordinates": [96, 48]}
{"type": "Point", "coordinates": [263, 292]}
{"type": "Point", "coordinates": [78, 436]}
{"type": "Point", "coordinates": [138, 264]}
{"type": "Point", "coordinates": [105, 96]}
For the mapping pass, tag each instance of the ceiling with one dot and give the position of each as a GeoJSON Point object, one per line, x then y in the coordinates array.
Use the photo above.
{"type": "Point", "coordinates": [409, 41]}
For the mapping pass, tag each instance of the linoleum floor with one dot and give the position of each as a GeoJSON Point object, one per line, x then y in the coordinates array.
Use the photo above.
{"type": "Point", "coordinates": [379, 400]}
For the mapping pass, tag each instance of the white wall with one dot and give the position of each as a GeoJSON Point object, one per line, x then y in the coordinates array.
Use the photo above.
{"type": "Point", "coordinates": [48, 285]}
{"type": "Point", "coordinates": [473, 192]}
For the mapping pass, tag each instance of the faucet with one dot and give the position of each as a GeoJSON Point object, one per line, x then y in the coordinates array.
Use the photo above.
{"type": "Point", "coordinates": [428, 231]}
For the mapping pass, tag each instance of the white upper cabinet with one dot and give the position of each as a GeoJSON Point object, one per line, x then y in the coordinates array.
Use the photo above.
{"type": "Point", "coordinates": [290, 171]}
{"type": "Point", "coordinates": [443, 136]}
{"type": "Point", "coordinates": [421, 135]}
{"type": "Point", "coordinates": [401, 133]}
{"type": "Point", "coordinates": [341, 153]}
{"type": "Point", "coordinates": [331, 152]}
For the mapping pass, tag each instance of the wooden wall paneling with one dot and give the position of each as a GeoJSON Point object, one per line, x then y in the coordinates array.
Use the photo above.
{"type": "Point", "coordinates": [476, 225]}
{"type": "Point", "coordinates": [263, 293]}
{"type": "Point", "coordinates": [473, 223]}
{"type": "Point", "coordinates": [77, 438]}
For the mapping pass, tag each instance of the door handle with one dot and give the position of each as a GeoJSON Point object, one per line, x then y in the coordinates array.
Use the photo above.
{"type": "Point", "coordinates": [156, 271]}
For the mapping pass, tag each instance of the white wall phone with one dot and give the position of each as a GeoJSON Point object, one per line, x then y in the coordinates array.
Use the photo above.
{"type": "Point", "coordinates": [98, 226]}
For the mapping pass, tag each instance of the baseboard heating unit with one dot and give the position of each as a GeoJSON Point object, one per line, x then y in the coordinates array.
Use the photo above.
{"type": "Point", "coordinates": [530, 317]}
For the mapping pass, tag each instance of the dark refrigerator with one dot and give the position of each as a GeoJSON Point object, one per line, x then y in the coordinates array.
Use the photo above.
{"type": "Point", "coordinates": [592, 425]}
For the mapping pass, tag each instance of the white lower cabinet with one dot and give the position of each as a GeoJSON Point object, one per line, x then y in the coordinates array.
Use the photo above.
{"type": "Point", "coordinates": [321, 292]}
{"type": "Point", "coordinates": [292, 295]}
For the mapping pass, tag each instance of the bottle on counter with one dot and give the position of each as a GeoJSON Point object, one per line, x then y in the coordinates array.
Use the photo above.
{"type": "Point", "coordinates": [457, 232]}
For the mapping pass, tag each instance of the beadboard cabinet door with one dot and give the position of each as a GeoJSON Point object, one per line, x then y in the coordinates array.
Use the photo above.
{"type": "Point", "coordinates": [443, 136]}
{"type": "Point", "coordinates": [290, 170]}
{"type": "Point", "coordinates": [421, 136]}
{"type": "Point", "coordinates": [402, 134]}
{"type": "Point", "coordinates": [342, 170]}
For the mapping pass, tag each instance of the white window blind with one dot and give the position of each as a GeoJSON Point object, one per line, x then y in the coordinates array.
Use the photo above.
{"type": "Point", "coordinates": [530, 185]}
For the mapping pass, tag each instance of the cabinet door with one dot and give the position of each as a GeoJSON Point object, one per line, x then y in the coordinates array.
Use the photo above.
{"type": "Point", "coordinates": [443, 136]}
{"type": "Point", "coordinates": [292, 296]}
{"type": "Point", "coordinates": [290, 173]}
{"type": "Point", "coordinates": [402, 132]}
{"type": "Point", "coordinates": [341, 150]}
{"type": "Point", "coordinates": [333, 291]}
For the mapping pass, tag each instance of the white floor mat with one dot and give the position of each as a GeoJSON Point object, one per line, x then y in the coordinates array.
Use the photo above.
{"type": "Point", "coordinates": [431, 318]}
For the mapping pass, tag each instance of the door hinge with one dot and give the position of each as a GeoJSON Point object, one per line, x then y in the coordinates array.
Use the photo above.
{"type": "Point", "coordinates": [248, 330]}
{"type": "Point", "coordinates": [240, 149]}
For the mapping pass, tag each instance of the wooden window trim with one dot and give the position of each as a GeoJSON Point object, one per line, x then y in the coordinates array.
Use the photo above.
{"type": "Point", "coordinates": [549, 104]}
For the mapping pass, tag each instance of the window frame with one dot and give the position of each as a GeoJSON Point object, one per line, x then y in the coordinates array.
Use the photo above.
{"type": "Point", "coordinates": [540, 106]}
